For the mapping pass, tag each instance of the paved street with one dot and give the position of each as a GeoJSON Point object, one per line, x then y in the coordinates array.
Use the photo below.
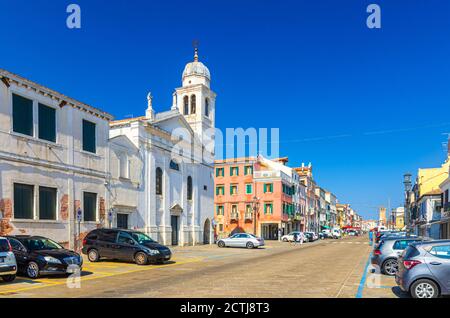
{"type": "Point", "coordinates": [329, 268]}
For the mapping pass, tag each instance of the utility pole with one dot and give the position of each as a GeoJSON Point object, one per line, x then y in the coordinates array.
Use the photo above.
{"type": "Point", "coordinates": [407, 182]}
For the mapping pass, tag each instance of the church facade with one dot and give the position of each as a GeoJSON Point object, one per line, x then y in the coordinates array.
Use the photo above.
{"type": "Point", "coordinates": [175, 201]}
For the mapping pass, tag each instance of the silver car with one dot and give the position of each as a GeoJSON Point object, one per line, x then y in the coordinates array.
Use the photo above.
{"type": "Point", "coordinates": [386, 253]}
{"type": "Point", "coordinates": [424, 269]}
{"type": "Point", "coordinates": [8, 265]}
{"type": "Point", "coordinates": [241, 240]}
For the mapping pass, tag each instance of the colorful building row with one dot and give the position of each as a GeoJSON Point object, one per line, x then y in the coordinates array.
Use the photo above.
{"type": "Point", "coordinates": [267, 198]}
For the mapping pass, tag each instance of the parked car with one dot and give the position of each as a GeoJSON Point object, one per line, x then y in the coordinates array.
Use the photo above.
{"type": "Point", "coordinates": [126, 245]}
{"type": "Point", "coordinates": [38, 255]}
{"type": "Point", "coordinates": [424, 269]}
{"type": "Point", "coordinates": [327, 233]}
{"type": "Point", "coordinates": [336, 233]}
{"type": "Point", "coordinates": [381, 234]}
{"type": "Point", "coordinates": [313, 235]}
{"type": "Point", "coordinates": [321, 236]}
{"type": "Point", "coordinates": [241, 240]}
{"type": "Point", "coordinates": [290, 237]}
{"type": "Point", "coordinates": [8, 265]}
{"type": "Point", "coordinates": [386, 254]}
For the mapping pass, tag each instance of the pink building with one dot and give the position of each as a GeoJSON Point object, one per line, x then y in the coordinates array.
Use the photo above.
{"type": "Point", "coordinates": [253, 195]}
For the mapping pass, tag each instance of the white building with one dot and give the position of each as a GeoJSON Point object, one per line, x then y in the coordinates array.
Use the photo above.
{"type": "Point", "coordinates": [53, 162]}
{"type": "Point", "coordinates": [175, 202]}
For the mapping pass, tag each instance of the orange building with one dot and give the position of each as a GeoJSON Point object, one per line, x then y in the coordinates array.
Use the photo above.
{"type": "Point", "coordinates": [253, 195]}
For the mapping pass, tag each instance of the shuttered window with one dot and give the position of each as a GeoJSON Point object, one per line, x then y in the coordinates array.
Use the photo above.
{"type": "Point", "coordinates": [90, 206]}
{"type": "Point", "coordinates": [47, 123]}
{"type": "Point", "coordinates": [22, 115]}
{"type": "Point", "coordinates": [47, 203]}
{"type": "Point", "coordinates": [23, 201]}
{"type": "Point", "coordinates": [89, 142]}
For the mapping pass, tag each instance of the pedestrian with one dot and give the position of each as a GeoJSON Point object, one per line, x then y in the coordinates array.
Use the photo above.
{"type": "Point", "coordinates": [296, 238]}
{"type": "Point", "coordinates": [301, 238]}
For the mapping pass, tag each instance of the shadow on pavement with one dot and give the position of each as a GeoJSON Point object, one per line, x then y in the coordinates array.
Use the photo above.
{"type": "Point", "coordinates": [400, 293]}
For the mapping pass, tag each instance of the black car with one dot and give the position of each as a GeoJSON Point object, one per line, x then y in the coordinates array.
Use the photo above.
{"type": "Point", "coordinates": [124, 245]}
{"type": "Point", "coordinates": [38, 255]}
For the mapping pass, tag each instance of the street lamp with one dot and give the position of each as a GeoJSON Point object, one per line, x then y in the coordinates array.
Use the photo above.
{"type": "Point", "coordinates": [407, 183]}
{"type": "Point", "coordinates": [255, 205]}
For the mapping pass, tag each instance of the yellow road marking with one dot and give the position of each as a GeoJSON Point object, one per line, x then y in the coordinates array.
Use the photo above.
{"type": "Point", "coordinates": [86, 278]}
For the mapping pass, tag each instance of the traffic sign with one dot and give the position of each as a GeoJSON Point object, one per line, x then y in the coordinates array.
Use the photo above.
{"type": "Point", "coordinates": [79, 214]}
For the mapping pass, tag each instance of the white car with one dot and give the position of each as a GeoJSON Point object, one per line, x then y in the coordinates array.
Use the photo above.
{"type": "Point", "coordinates": [8, 265]}
{"type": "Point", "coordinates": [289, 237]}
{"type": "Point", "coordinates": [336, 233]}
{"type": "Point", "coordinates": [241, 240]}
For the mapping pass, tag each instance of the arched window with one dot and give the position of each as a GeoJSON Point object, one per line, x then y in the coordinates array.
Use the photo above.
{"type": "Point", "coordinates": [193, 104]}
{"type": "Point", "coordinates": [186, 105]}
{"type": "Point", "coordinates": [189, 188]}
{"type": "Point", "coordinates": [159, 178]}
{"type": "Point", "coordinates": [206, 107]}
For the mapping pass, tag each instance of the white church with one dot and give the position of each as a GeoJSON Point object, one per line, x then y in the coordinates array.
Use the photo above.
{"type": "Point", "coordinates": [174, 177]}
{"type": "Point", "coordinates": [67, 168]}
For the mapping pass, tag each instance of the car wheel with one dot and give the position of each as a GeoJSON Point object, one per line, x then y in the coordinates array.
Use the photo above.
{"type": "Point", "coordinates": [250, 245]}
{"type": "Point", "coordinates": [424, 288]}
{"type": "Point", "coordinates": [32, 270]}
{"type": "Point", "coordinates": [390, 267]}
{"type": "Point", "coordinates": [140, 258]}
{"type": "Point", "coordinates": [8, 278]}
{"type": "Point", "coordinates": [221, 244]}
{"type": "Point", "coordinates": [285, 240]}
{"type": "Point", "coordinates": [93, 255]}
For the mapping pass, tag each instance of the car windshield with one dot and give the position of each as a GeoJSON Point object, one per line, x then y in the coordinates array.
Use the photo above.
{"type": "Point", "coordinates": [37, 244]}
{"type": "Point", "coordinates": [141, 238]}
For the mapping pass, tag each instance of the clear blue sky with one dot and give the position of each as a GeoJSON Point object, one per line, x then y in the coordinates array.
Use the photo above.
{"type": "Point", "coordinates": [311, 68]}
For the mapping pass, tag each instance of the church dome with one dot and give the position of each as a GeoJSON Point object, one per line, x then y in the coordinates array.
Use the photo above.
{"type": "Point", "coordinates": [196, 68]}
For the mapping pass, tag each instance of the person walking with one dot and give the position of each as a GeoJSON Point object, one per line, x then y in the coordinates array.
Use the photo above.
{"type": "Point", "coordinates": [296, 238]}
{"type": "Point", "coordinates": [301, 238]}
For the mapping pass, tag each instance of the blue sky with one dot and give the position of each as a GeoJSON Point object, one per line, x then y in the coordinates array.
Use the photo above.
{"type": "Point", "coordinates": [363, 105]}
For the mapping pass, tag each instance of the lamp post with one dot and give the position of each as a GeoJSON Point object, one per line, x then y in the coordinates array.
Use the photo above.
{"type": "Point", "coordinates": [255, 205]}
{"type": "Point", "coordinates": [407, 183]}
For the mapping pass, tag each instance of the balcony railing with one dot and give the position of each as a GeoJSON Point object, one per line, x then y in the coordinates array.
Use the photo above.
{"type": "Point", "coordinates": [266, 174]}
{"type": "Point", "coordinates": [235, 216]}
{"type": "Point", "coordinates": [249, 216]}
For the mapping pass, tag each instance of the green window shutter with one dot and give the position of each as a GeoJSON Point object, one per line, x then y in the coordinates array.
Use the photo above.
{"type": "Point", "coordinates": [23, 201]}
{"type": "Point", "coordinates": [89, 142]}
{"type": "Point", "coordinates": [47, 203]}
{"type": "Point", "coordinates": [90, 206]}
{"type": "Point", "coordinates": [47, 123]}
{"type": "Point", "coordinates": [231, 171]}
{"type": "Point", "coordinates": [271, 187]}
{"type": "Point", "coordinates": [237, 171]}
{"type": "Point", "coordinates": [22, 115]}
{"type": "Point", "coordinates": [217, 172]}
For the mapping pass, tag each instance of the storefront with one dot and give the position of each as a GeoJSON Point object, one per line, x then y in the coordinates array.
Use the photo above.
{"type": "Point", "coordinates": [269, 231]}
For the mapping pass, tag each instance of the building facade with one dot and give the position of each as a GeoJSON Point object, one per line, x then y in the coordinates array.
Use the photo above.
{"type": "Point", "coordinates": [54, 162]}
{"type": "Point", "coordinates": [175, 199]}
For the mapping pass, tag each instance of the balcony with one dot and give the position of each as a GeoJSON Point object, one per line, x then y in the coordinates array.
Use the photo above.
{"type": "Point", "coordinates": [266, 174]}
{"type": "Point", "coordinates": [234, 216]}
{"type": "Point", "coordinates": [248, 216]}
